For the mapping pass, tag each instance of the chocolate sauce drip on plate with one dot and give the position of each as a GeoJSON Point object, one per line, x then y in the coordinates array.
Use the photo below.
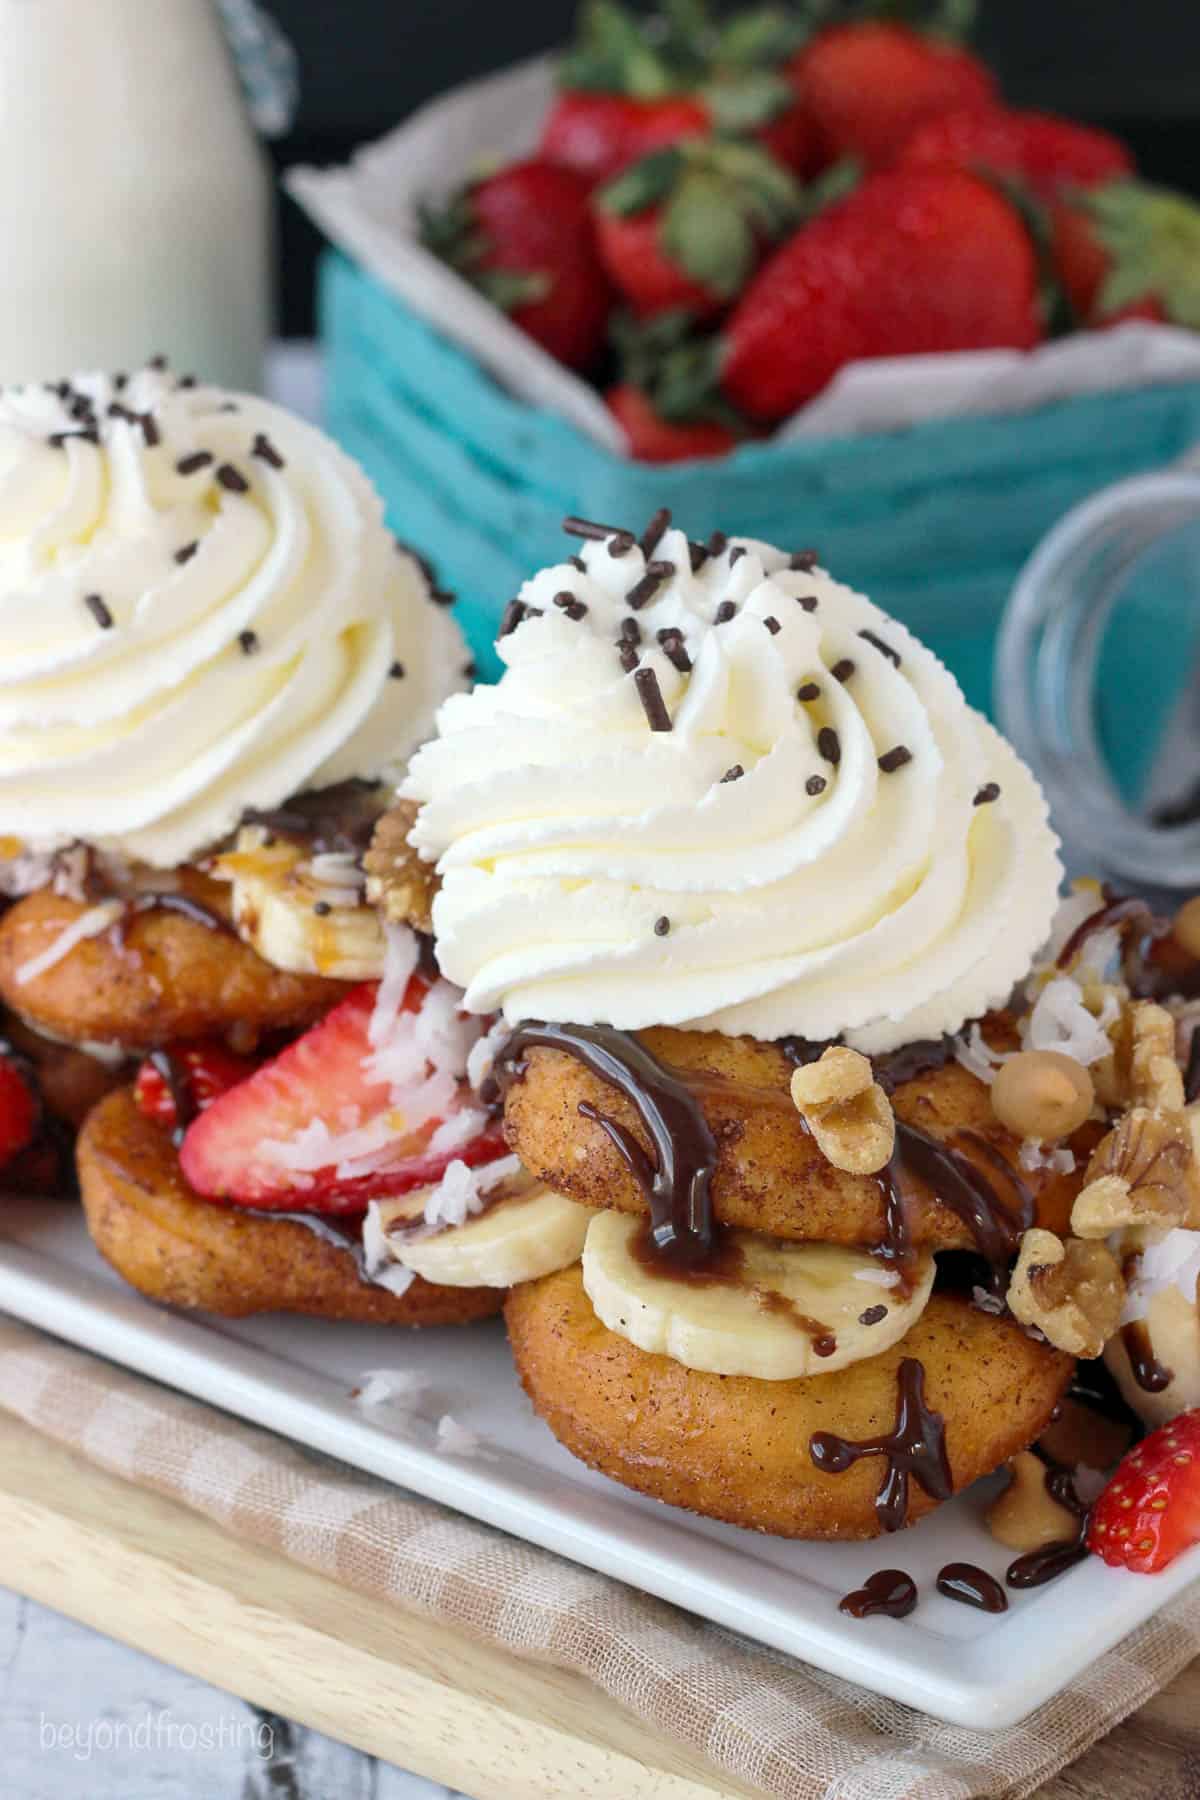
{"type": "Point", "coordinates": [891, 1591]}
{"type": "Point", "coordinates": [677, 1180]}
{"type": "Point", "coordinates": [915, 1449]}
{"type": "Point", "coordinates": [972, 1586]}
{"type": "Point", "coordinates": [1151, 1375]}
{"type": "Point", "coordinates": [1037, 1567]}
{"type": "Point", "coordinates": [726, 1267]}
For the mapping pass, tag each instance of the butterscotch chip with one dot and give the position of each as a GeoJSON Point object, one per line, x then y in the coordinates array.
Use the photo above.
{"type": "Point", "coordinates": [1026, 1516]}
{"type": "Point", "coordinates": [1185, 927]}
{"type": "Point", "coordinates": [399, 881]}
{"type": "Point", "coordinates": [1042, 1094]}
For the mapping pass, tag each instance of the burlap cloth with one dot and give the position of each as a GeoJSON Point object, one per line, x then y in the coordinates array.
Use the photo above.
{"type": "Point", "coordinates": [763, 1718]}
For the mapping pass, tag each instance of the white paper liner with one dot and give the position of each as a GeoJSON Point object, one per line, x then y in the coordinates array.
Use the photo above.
{"type": "Point", "coordinates": [368, 208]}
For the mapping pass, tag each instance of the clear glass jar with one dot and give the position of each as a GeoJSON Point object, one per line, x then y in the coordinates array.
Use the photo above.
{"type": "Point", "coordinates": [1098, 680]}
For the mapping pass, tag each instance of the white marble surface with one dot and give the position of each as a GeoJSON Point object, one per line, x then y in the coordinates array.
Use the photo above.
{"type": "Point", "coordinates": [83, 1716]}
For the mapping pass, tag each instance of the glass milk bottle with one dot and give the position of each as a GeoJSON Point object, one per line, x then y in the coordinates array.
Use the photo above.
{"type": "Point", "coordinates": [135, 202]}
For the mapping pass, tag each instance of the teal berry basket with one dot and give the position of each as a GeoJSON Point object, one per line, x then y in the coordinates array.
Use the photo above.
{"type": "Point", "coordinates": [934, 522]}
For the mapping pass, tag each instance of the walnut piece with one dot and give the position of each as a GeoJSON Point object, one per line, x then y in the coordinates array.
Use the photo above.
{"type": "Point", "coordinates": [1140, 1174]}
{"type": "Point", "coordinates": [846, 1110]}
{"type": "Point", "coordinates": [1026, 1516]}
{"type": "Point", "coordinates": [1143, 1069]}
{"type": "Point", "coordinates": [399, 881]}
{"type": "Point", "coordinates": [1072, 1292]}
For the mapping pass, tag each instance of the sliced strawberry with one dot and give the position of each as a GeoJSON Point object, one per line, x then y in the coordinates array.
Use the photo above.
{"type": "Point", "coordinates": [187, 1076]}
{"type": "Point", "coordinates": [18, 1111]}
{"type": "Point", "coordinates": [1150, 1511]}
{"type": "Point", "coordinates": [323, 1082]}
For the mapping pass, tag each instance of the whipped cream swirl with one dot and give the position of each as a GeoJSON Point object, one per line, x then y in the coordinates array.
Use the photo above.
{"type": "Point", "coordinates": [200, 611]}
{"type": "Point", "coordinates": [826, 840]}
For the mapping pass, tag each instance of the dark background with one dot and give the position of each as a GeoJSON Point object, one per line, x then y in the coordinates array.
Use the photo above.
{"type": "Point", "coordinates": [1131, 65]}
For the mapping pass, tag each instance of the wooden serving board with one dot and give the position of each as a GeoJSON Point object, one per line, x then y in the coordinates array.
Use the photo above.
{"type": "Point", "coordinates": [403, 1688]}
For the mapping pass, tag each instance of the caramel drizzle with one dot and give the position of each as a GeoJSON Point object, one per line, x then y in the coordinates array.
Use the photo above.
{"type": "Point", "coordinates": [915, 1449]}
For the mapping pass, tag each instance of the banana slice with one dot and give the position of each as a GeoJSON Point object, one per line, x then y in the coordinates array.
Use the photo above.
{"type": "Point", "coordinates": [301, 912]}
{"type": "Point", "coordinates": [767, 1311]}
{"type": "Point", "coordinates": [527, 1232]}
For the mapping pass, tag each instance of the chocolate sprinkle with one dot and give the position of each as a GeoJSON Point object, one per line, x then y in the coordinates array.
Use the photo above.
{"type": "Point", "coordinates": [150, 431]}
{"type": "Point", "coordinates": [629, 657]}
{"type": "Point", "coordinates": [249, 641]}
{"type": "Point", "coordinates": [772, 624]}
{"type": "Point", "coordinates": [232, 479]}
{"type": "Point", "coordinates": [803, 559]}
{"type": "Point", "coordinates": [99, 611]}
{"type": "Point", "coordinates": [649, 584]}
{"type": "Point", "coordinates": [158, 362]}
{"type": "Point", "coordinates": [653, 704]}
{"type": "Point", "coordinates": [735, 774]}
{"type": "Point", "coordinates": [443, 597]}
{"type": "Point", "coordinates": [396, 672]}
{"type": "Point", "coordinates": [511, 617]}
{"type": "Point", "coordinates": [266, 452]}
{"type": "Point", "coordinates": [571, 605]}
{"type": "Point", "coordinates": [630, 631]}
{"type": "Point", "coordinates": [698, 553]}
{"type": "Point", "coordinates": [736, 553]}
{"type": "Point", "coordinates": [883, 649]}
{"type": "Point", "coordinates": [322, 908]}
{"type": "Point", "coordinates": [807, 601]}
{"type": "Point", "coordinates": [655, 530]}
{"type": "Point", "coordinates": [88, 435]}
{"type": "Point", "coordinates": [574, 526]}
{"type": "Point", "coordinates": [198, 459]}
{"type": "Point", "coordinates": [718, 543]}
{"type": "Point", "coordinates": [186, 552]}
{"type": "Point", "coordinates": [829, 745]}
{"type": "Point", "coordinates": [894, 759]}
{"type": "Point", "coordinates": [989, 792]}
{"type": "Point", "coordinates": [810, 691]}
{"type": "Point", "coordinates": [662, 926]}
{"type": "Point", "coordinates": [842, 671]}
{"type": "Point", "coordinates": [872, 1315]}
{"type": "Point", "coordinates": [816, 784]}
{"type": "Point", "coordinates": [726, 611]}
{"type": "Point", "coordinates": [577, 562]}
{"type": "Point", "coordinates": [673, 649]}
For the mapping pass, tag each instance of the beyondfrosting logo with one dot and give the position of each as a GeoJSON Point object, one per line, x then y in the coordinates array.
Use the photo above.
{"type": "Point", "coordinates": [160, 1731]}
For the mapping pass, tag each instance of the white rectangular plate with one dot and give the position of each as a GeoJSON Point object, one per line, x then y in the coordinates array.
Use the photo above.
{"type": "Point", "coordinates": [295, 1376]}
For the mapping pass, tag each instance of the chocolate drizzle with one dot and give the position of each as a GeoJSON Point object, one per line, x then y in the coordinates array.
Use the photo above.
{"type": "Point", "coordinates": [178, 1079]}
{"type": "Point", "coordinates": [972, 1586]}
{"type": "Point", "coordinates": [338, 818]}
{"type": "Point", "coordinates": [958, 1183]}
{"type": "Point", "coordinates": [726, 1267]}
{"type": "Point", "coordinates": [1151, 1375]}
{"type": "Point", "coordinates": [915, 1449]}
{"type": "Point", "coordinates": [1113, 912]}
{"type": "Point", "coordinates": [677, 1180]}
{"type": "Point", "coordinates": [1037, 1567]}
{"type": "Point", "coordinates": [891, 1591]}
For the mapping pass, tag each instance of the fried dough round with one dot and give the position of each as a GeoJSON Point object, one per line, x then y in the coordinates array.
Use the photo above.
{"type": "Point", "coordinates": [737, 1449]}
{"type": "Point", "coordinates": [770, 1174]}
{"type": "Point", "coordinates": [171, 977]}
{"type": "Point", "coordinates": [184, 1251]}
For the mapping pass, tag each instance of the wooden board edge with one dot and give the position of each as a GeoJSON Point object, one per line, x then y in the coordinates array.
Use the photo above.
{"type": "Point", "coordinates": [410, 1690]}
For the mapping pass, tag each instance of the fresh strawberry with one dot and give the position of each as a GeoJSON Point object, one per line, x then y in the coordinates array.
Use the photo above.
{"type": "Point", "coordinates": [1045, 152]}
{"type": "Point", "coordinates": [1150, 1511]}
{"type": "Point", "coordinates": [598, 135]}
{"type": "Point", "coordinates": [867, 86]}
{"type": "Point", "coordinates": [197, 1073]}
{"type": "Point", "coordinates": [324, 1089]}
{"type": "Point", "coordinates": [683, 229]}
{"type": "Point", "coordinates": [524, 237]}
{"type": "Point", "coordinates": [1125, 250]}
{"type": "Point", "coordinates": [655, 439]}
{"type": "Point", "coordinates": [18, 1110]}
{"type": "Point", "coordinates": [915, 260]}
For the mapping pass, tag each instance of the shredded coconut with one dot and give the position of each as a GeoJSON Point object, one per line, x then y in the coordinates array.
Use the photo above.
{"type": "Point", "coordinates": [1081, 903]}
{"type": "Point", "coordinates": [483, 1053]}
{"type": "Point", "coordinates": [454, 1439]}
{"type": "Point", "coordinates": [977, 1056]}
{"type": "Point", "coordinates": [988, 1303]}
{"type": "Point", "coordinates": [89, 924]}
{"type": "Point", "coordinates": [877, 1277]}
{"type": "Point", "coordinates": [1174, 1261]}
{"type": "Point", "coordinates": [462, 1192]}
{"type": "Point", "coordinates": [1060, 1021]}
{"type": "Point", "coordinates": [399, 961]}
{"type": "Point", "coordinates": [388, 1387]}
{"type": "Point", "coordinates": [1035, 1155]}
